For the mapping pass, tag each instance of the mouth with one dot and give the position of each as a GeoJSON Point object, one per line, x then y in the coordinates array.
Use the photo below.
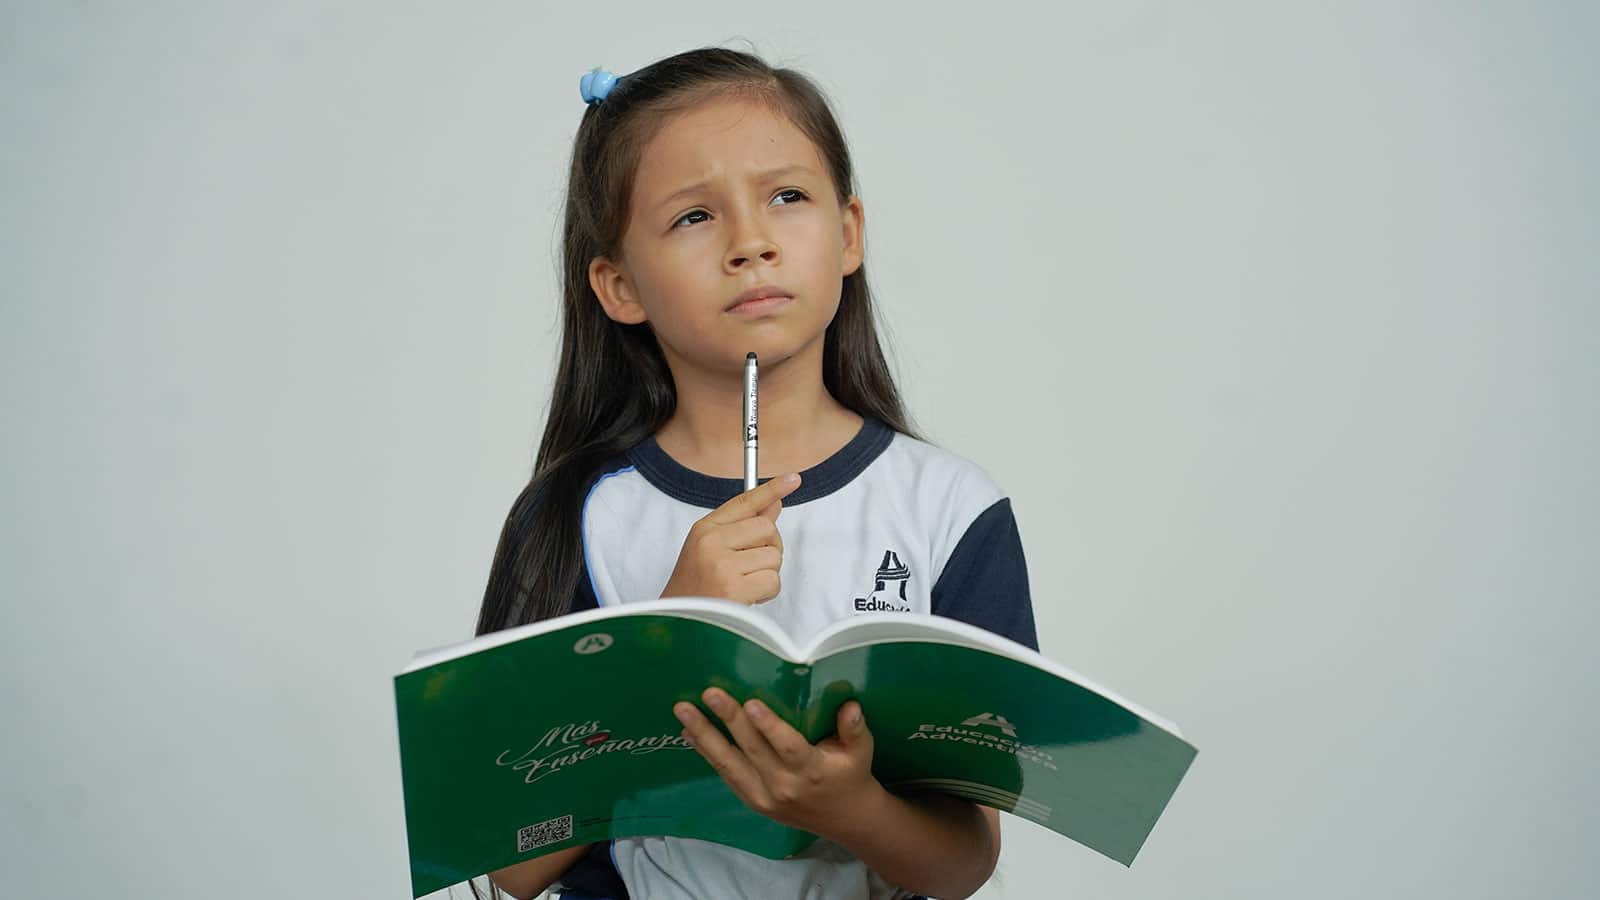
{"type": "Point", "coordinates": [758, 300]}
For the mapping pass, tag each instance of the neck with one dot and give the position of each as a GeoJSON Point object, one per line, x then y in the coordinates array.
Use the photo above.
{"type": "Point", "coordinates": [800, 423]}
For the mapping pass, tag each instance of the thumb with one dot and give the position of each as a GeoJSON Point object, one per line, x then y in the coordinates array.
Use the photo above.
{"type": "Point", "coordinates": [852, 723]}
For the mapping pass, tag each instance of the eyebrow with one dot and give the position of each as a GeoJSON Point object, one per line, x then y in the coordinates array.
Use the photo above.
{"type": "Point", "coordinates": [768, 175]}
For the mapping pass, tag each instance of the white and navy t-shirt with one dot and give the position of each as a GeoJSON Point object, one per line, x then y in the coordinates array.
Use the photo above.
{"type": "Point", "coordinates": [886, 524]}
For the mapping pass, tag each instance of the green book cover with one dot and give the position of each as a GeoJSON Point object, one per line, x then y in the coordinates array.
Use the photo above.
{"type": "Point", "coordinates": [560, 733]}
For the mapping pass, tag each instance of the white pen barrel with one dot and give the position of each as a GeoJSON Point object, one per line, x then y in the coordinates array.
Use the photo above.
{"type": "Point", "coordinates": [750, 422]}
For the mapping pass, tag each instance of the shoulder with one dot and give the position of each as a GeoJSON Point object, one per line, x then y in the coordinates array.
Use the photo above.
{"type": "Point", "coordinates": [616, 487]}
{"type": "Point", "coordinates": [982, 574]}
{"type": "Point", "coordinates": [554, 487]}
{"type": "Point", "coordinates": [940, 494]}
{"type": "Point", "coordinates": [551, 503]}
{"type": "Point", "coordinates": [940, 478]}
{"type": "Point", "coordinates": [615, 467]}
{"type": "Point", "coordinates": [536, 572]}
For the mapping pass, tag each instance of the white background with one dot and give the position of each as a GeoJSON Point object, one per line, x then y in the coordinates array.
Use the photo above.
{"type": "Point", "coordinates": [1277, 320]}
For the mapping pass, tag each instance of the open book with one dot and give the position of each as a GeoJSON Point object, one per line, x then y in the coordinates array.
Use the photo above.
{"type": "Point", "coordinates": [560, 733]}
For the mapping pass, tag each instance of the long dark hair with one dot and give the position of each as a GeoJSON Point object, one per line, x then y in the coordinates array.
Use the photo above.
{"type": "Point", "coordinates": [612, 387]}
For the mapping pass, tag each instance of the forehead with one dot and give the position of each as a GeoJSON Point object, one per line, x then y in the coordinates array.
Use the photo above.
{"type": "Point", "coordinates": [721, 139]}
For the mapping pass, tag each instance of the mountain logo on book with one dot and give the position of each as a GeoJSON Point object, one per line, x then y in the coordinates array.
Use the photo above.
{"type": "Point", "coordinates": [992, 719]}
{"type": "Point", "coordinates": [970, 731]}
{"type": "Point", "coordinates": [889, 587]}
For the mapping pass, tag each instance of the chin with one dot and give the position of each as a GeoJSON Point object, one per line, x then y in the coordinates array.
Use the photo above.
{"type": "Point", "coordinates": [779, 350]}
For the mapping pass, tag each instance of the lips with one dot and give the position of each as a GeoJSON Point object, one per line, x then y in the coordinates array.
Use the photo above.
{"type": "Point", "coordinates": [756, 295]}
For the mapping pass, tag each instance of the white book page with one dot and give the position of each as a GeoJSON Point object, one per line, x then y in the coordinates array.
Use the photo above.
{"type": "Point", "coordinates": [883, 628]}
{"type": "Point", "coordinates": [760, 629]}
{"type": "Point", "coordinates": [745, 621]}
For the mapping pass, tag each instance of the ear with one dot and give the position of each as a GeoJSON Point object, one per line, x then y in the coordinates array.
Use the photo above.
{"type": "Point", "coordinates": [610, 283]}
{"type": "Point", "coordinates": [854, 234]}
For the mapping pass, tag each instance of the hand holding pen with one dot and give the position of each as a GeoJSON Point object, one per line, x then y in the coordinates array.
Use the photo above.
{"type": "Point", "coordinates": [735, 552]}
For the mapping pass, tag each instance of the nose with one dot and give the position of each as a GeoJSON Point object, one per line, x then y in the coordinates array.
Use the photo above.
{"type": "Point", "coordinates": [749, 244]}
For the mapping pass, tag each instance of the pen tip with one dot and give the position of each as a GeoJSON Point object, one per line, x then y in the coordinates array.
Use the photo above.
{"type": "Point", "coordinates": [750, 356]}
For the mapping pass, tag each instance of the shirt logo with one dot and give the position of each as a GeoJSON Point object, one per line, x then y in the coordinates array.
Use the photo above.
{"type": "Point", "coordinates": [889, 587]}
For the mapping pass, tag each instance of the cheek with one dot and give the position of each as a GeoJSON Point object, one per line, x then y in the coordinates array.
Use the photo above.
{"type": "Point", "coordinates": [821, 239]}
{"type": "Point", "coordinates": [687, 262]}
{"type": "Point", "coordinates": [675, 291]}
{"type": "Point", "coordinates": [672, 273]}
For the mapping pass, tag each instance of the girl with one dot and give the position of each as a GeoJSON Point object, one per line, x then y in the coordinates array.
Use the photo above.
{"type": "Point", "coordinates": [709, 214]}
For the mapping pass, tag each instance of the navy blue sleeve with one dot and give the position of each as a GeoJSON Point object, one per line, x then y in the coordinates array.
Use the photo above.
{"type": "Point", "coordinates": [985, 581]}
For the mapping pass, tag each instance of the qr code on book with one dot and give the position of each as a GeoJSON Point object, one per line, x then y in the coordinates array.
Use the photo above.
{"type": "Point", "coordinates": [535, 836]}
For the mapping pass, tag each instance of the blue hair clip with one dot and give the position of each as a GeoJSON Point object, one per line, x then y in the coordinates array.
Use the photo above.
{"type": "Point", "coordinates": [595, 85]}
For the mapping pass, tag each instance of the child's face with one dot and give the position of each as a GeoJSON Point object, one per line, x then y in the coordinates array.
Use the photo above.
{"type": "Point", "coordinates": [731, 196]}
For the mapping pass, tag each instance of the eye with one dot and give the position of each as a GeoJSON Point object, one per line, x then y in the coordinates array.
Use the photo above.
{"type": "Point", "coordinates": [795, 193]}
{"type": "Point", "coordinates": [690, 215]}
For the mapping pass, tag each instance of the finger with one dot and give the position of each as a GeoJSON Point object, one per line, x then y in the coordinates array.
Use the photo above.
{"type": "Point", "coordinates": [745, 733]}
{"type": "Point", "coordinates": [772, 511]}
{"type": "Point", "coordinates": [777, 536]}
{"type": "Point", "coordinates": [756, 559]}
{"type": "Point", "coordinates": [753, 501]}
{"type": "Point", "coordinates": [758, 587]}
{"type": "Point", "coordinates": [722, 756]}
{"type": "Point", "coordinates": [787, 744]}
{"type": "Point", "coordinates": [753, 532]}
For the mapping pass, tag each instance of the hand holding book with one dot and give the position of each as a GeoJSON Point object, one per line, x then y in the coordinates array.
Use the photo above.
{"type": "Point", "coordinates": [932, 843]}
{"type": "Point", "coordinates": [773, 768]}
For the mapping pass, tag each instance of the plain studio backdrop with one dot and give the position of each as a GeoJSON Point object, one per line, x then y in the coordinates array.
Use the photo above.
{"type": "Point", "coordinates": [1276, 320]}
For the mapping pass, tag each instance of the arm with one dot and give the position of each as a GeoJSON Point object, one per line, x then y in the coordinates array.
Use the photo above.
{"type": "Point", "coordinates": [527, 880]}
{"type": "Point", "coordinates": [930, 843]}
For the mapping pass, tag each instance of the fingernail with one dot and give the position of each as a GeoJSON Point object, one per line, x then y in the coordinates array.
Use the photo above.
{"type": "Point", "coordinates": [791, 478]}
{"type": "Point", "coordinates": [716, 700]}
{"type": "Point", "coordinates": [682, 712]}
{"type": "Point", "coordinates": [754, 709]}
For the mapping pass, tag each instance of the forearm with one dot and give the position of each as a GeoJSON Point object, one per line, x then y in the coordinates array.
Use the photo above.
{"type": "Point", "coordinates": [930, 843]}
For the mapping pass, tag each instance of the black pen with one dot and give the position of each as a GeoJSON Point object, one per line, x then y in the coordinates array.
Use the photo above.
{"type": "Point", "coordinates": [750, 421]}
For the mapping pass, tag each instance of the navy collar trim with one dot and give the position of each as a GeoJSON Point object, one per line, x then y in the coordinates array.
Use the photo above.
{"type": "Point", "coordinates": [822, 479]}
